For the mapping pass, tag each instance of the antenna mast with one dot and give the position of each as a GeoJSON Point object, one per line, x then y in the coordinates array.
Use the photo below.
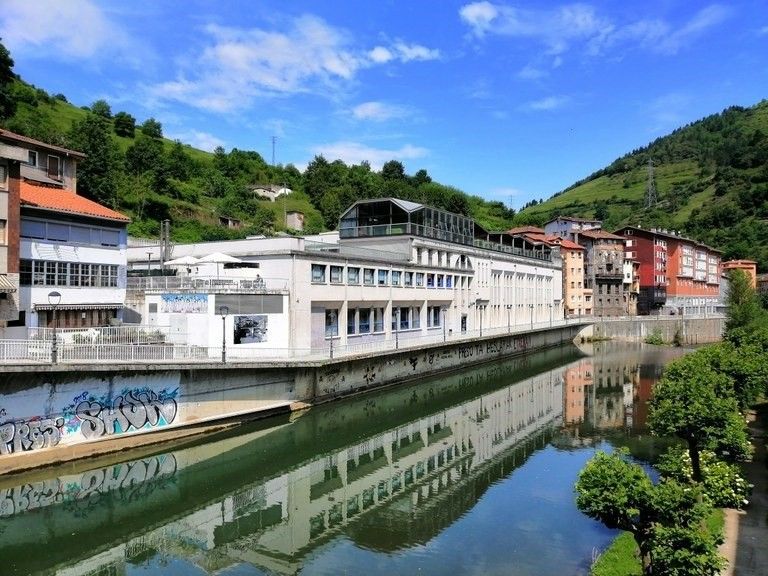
{"type": "Point", "coordinates": [650, 191]}
{"type": "Point", "coordinates": [274, 140]}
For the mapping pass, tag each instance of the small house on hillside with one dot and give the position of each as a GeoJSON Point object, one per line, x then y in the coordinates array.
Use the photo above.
{"type": "Point", "coordinates": [270, 191]}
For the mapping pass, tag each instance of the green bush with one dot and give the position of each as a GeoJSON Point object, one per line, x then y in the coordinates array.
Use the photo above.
{"type": "Point", "coordinates": [655, 337]}
{"type": "Point", "coordinates": [722, 482]}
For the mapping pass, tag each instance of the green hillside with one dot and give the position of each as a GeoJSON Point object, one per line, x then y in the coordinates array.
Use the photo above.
{"type": "Point", "coordinates": [711, 179]}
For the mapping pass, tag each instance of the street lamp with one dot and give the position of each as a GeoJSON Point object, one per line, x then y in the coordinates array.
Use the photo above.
{"type": "Point", "coordinates": [482, 308]}
{"type": "Point", "coordinates": [223, 310]}
{"type": "Point", "coordinates": [54, 299]}
{"type": "Point", "coordinates": [531, 306]}
{"type": "Point", "coordinates": [550, 315]}
{"type": "Point", "coordinates": [397, 329]}
{"type": "Point", "coordinates": [443, 323]}
{"type": "Point", "coordinates": [509, 322]}
{"type": "Point", "coordinates": [149, 262]}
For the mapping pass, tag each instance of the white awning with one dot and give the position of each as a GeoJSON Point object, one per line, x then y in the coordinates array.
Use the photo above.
{"type": "Point", "coordinates": [6, 286]}
{"type": "Point", "coordinates": [115, 306]}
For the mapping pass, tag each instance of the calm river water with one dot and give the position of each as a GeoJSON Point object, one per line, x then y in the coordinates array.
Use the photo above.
{"type": "Point", "coordinates": [469, 473]}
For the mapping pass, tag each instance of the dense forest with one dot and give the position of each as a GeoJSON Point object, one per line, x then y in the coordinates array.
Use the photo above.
{"type": "Point", "coordinates": [711, 180]}
{"type": "Point", "coordinates": [132, 168]}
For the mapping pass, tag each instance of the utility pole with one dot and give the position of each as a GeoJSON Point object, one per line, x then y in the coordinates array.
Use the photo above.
{"type": "Point", "coordinates": [274, 141]}
{"type": "Point", "coordinates": [650, 190]}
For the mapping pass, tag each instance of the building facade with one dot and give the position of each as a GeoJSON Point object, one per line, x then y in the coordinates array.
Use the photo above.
{"type": "Point", "coordinates": [605, 272]}
{"type": "Point", "coordinates": [395, 270]}
{"type": "Point", "coordinates": [675, 272]}
{"type": "Point", "coordinates": [749, 267]}
{"type": "Point", "coordinates": [570, 227]}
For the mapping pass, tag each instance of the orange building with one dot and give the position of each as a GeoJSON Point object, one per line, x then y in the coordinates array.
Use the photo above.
{"type": "Point", "coordinates": [748, 266]}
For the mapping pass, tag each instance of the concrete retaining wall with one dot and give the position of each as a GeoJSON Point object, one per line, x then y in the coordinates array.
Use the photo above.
{"type": "Point", "coordinates": [671, 329]}
{"type": "Point", "coordinates": [49, 417]}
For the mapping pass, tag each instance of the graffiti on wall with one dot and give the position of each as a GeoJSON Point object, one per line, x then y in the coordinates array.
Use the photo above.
{"type": "Point", "coordinates": [25, 435]}
{"type": "Point", "coordinates": [132, 410]}
{"type": "Point", "coordinates": [184, 303]}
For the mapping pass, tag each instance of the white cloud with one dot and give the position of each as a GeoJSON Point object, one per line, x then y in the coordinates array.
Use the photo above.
{"type": "Point", "coordinates": [308, 56]}
{"type": "Point", "coordinates": [558, 29]}
{"type": "Point", "coordinates": [545, 104]}
{"type": "Point", "coordinates": [532, 73]}
{"type": "Point", "coordinates": [75, 29]}
{"type": "Point", "coordinates": [378, 111]}
{"type": "Point", "coordinates": [197, 139]}
{"type": "Point", "coordinates": [668, 111]}
{"type": "Point", "coordinates": [355, 153]}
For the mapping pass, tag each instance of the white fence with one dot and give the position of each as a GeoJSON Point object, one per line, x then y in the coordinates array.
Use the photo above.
{"type": "Point", "coordinates": [126, 334]}
{"type": "Point", "coordinates": [208, 284]}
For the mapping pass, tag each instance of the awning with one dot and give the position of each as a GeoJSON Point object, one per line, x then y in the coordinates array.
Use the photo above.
{"type": "Point", "coordinates": [6, 285]}
{"type": "Point", "coordinates": [115, 306]}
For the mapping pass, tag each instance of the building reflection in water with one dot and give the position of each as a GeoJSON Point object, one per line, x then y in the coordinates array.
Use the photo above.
{"type": "Point", "coordinates": [389, 471]}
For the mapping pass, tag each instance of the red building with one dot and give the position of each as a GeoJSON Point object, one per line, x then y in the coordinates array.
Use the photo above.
{"type": "Point", "coordinates": [675, 272]}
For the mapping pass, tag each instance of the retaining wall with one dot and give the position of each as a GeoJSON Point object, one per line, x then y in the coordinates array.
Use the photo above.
{"type": "Point", "coordinates": [50, 417]}
{"type": "Point", "coordinates": [675, 329]}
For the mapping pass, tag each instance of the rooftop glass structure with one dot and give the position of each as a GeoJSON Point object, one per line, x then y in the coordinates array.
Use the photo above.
{"type": "Point", "coordinates": [395, 217]}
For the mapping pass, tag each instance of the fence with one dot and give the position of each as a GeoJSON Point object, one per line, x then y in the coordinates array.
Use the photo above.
{"type": "Point", "coordinates": [128, 334]}
{"type": "Point", "coordinates": [208, 283]}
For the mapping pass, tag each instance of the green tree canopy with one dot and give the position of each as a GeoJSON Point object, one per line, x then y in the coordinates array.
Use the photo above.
{"type": "Point", "coordinates": [97, 174]}
{"type": "Point", "coordinates": [152, 128]}
{"type": "Point", "coordinates": [7, 102]}
{"type": "Point", "coordinates": [102, 108]}
{"type": "Point", "coordinates": [125, 125]}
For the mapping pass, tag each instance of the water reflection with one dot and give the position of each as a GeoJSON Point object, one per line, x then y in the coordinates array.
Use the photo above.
{"type": "Point", "coordinates": [396, 474]}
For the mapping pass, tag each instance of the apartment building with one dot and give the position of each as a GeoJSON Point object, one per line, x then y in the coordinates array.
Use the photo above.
{"type": "Point", "coordinates": [749, 267]}
{"type": "Point", "coordinates": [570, 227]}
{"type": "Point", "coordinates": [675, 272]}
{"type": "Point", "coordinates": [68, 252]}
{"type": "Point", "coordinates": [396, 269]}
{"type": "Point", "coordinates": [11, 158]}
{"type": "Point", "coordinates": [605, 272]}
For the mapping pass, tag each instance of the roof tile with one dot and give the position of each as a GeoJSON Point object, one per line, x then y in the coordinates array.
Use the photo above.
{"type": "Point", "coordinates": [60, 200]}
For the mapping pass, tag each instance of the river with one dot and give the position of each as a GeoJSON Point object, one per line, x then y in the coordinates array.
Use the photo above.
{"type": "Point", "coordinates": [466, 473]}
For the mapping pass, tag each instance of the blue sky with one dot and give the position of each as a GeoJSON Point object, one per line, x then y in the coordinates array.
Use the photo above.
{"type": "Point", "coordinates": [506, 100]}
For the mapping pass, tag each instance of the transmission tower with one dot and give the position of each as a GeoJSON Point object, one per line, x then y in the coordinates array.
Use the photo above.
{"type": "Point", "coordinates": [650, 191]}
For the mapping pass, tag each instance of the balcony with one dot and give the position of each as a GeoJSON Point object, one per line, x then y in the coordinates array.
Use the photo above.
{"type": "Point", "coordinates": [617, 275]}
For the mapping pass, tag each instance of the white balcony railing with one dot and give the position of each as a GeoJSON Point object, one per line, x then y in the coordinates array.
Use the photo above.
{"type": "Point", "coordinates": [208, 284]}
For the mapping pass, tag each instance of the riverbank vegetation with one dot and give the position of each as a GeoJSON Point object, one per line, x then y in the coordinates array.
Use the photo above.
{"type": "Point", "coordinates": [700, 400]}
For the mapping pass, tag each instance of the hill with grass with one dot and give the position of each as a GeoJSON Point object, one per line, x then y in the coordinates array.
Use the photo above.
{"type": "Point", "coordinates": [711, 180]}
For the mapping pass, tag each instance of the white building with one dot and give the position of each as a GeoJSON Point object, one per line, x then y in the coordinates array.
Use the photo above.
{"type": "Point", "coordinates": [395, 270]}
{"type": "Point", "coordinates": [72, 246]}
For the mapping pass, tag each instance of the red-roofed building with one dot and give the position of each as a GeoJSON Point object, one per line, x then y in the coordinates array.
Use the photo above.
{"type": "Point", "coordinates": [65, 244]}
{"type": "Point", "coordinates": [605, 272]}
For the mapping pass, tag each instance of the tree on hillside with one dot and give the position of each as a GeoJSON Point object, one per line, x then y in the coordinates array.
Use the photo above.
{"type": "Point", "coordinates": [696, 403]}
{"type": "Point", "coordinates": [393, 170]}
{"type": "Point", "coordinates": [144, 155]}
{"type": "Point", "coordinates": [152, 128]}
{"type": "Point", "coordinates": [7, 102]}
{"type": "Point", "coordinates": [102, 108]}
{"type": "Point", "coordinates": [125, 125]}
{"type": "Point", "coordinates": [97, 174]}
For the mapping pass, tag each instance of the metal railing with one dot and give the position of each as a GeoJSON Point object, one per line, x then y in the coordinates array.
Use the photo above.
{"type": "Point", "coordinates": [208, 284]}
{"type": "Point", "coordinates": [126, 334]}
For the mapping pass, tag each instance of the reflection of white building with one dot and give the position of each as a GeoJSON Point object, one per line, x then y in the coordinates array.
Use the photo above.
{"type": "Point", "coordinates": [394, 268]}
{"type": "Point", "coordinates": [404, 472]}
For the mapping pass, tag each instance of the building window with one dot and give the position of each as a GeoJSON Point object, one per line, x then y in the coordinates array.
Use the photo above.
{"type": "Point", "coordinates": [54, 167]}
{"type": "Point", "coordinates": [408, 279]}
{"type": "Point", "coordinates": [403, 314]}
{"type": "Point", "coordinates": [337, 274]}
{"type": "Point", "coordinates": [419, 279]}
{"type": "Point", "coordinates": [353, 275]}
{"type": "Point", "coordinates": [331, 323]}
{"type": "Point", "coordinates": [3, 176]}
{"type": "Point", "coordinates": [378, 319]}
{"type": "Point", "coordinates": [430, 280]}
{"type": "Point", "coordinates": [318, 273]}
{"type": "Point", "coordinates": [396, 277]}
{"type": "Point", "coordinates": [32, 158]}
{"type": "Point", "coordinates": [3, 237]}
{"type": "Point", "coordinates": [416, 318]}
{"type": "Point", "coordinates": [364, 317]}
{"type": "Point", "coordinates": [383, 277]}
{"type": "Point", "coordinates": [440, 280]}
{"type": "Point", "coordinates": [368, 276]}
{"type": "Point", "coordinates": [351, 324]}
{"type": "Point", "coordinates": [434, 316]}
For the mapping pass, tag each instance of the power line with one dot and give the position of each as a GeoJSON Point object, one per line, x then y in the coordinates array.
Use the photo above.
{"type": "Point", "coordinates": [650, 190]}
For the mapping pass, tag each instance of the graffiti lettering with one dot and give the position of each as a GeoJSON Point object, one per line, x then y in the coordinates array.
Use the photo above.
{"type": "Point", "coordinates": [30, 496]}
{"type": "Point", "coordinates": [22, 436]}
{"type": "Point", "coordinates": [136, 409]}
{"type": "Point", "coordinates": [465, 351]}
